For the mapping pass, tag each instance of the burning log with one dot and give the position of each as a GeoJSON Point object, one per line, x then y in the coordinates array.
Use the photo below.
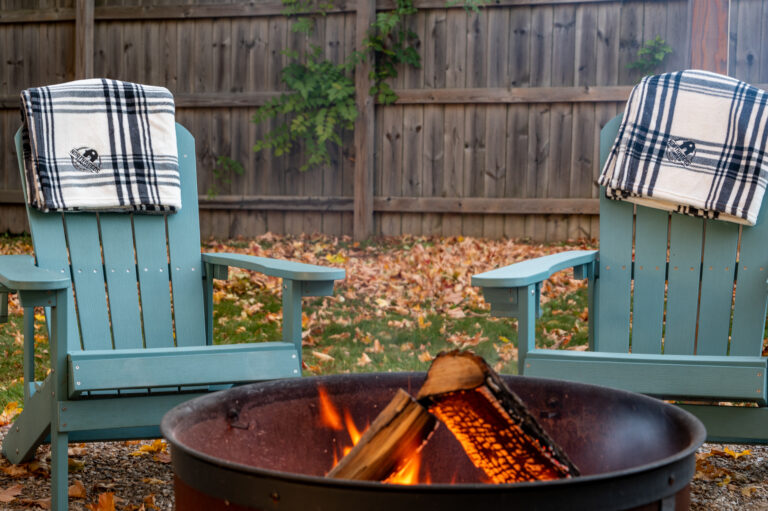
{"type": "Point", "coordinates": [400, 430]}
{"type": "Point", "coordinates": [492, 424]}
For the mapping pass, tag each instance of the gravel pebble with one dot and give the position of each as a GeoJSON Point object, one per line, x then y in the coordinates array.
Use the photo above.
{"type": "Point", "coordinates": [724, 480]}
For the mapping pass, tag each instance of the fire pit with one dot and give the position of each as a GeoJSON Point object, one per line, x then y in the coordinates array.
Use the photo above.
{"type": "Point", "coordinates": [264, 447]}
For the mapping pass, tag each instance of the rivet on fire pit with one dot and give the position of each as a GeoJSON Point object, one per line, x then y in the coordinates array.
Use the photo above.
{"type": "Point", "coordinates": [672, 479]}
{"type": "Point", "coordinates": [275, 496]}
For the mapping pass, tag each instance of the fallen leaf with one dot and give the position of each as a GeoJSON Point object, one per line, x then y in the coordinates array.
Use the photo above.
{"type": "Point", "coordinates": [736, 455]}
{"type": "Point", "coordinates": [153, 480]}
{"type": "Point", "coordinates": [364, 360]}
{"type": "Point", "coordinates": [424, 356]}
{"type": "Point", "coordinates": [41, 503]}
{"type": "Point", "coordinates": [106, 502]}
{"type": "Point", "coordinates": [158, 445]}
{"type": "Point", "coordinates": [10, 411]}
{"type": "Point", "coordinates": [16, 470]}
{"type": "Point", "coordinates": [77, 490]}
{"type": "Point", "coordinates": [322, 356]}
{"type": "Point", "coordinates": [9, 494]}
{"type": "Point", "coordinates": [162, 457]}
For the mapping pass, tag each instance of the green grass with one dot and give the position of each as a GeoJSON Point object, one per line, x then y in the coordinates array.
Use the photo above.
{"type": "Point", "coordinates": [391, 342]}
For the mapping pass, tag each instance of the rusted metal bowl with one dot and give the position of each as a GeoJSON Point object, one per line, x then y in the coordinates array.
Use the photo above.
{"type": "Point", "coordinates": [263, 447]}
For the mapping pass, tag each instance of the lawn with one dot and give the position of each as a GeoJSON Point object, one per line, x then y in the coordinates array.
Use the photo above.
{"type": "Point", "coordinates": [404, 300]}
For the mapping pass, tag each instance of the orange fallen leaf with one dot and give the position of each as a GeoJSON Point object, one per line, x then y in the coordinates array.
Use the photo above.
{"type": "Point", "coordinates": [41, 503]}
{"type": "Point", "coordinates": [162, 457]}
{"type": "Point", "coordinates": [158, 445]}
{"type": "Point", "coordinates": [9, 494]}
{"type": "Point", "coordinates": [106, 502]}
{"type": "Point", "coordinates": [16, 470]}
{"type": "Point", "coordinates": [10, 411]}
{"type": "Point", "coordinates": [77, 490]}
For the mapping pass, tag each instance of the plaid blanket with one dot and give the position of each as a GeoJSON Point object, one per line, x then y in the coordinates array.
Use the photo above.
{"type": "Point", "coordinates": [693, 142]}
{"type": "Point", "coordinates": [100, 145]}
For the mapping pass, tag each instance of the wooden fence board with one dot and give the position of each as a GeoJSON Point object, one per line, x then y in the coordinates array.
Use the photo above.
{"type": "Point", "coordinates": [507, 104]}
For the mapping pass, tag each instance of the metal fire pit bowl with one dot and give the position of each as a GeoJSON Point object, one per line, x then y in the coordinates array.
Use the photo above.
{"type": "Point", "coordinates": [262, 447]}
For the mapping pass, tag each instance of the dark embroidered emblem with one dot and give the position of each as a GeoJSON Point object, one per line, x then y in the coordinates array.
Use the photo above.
{"type": "Point", "coordinates": [680, 151]}
{"type": "Point", "coordinates": [86, 159]}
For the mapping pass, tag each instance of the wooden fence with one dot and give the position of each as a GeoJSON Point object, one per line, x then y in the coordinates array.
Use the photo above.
{"type": "Point", "coordinates": [495, 135]}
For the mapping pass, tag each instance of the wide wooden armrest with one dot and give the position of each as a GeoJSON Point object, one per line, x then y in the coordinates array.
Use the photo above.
{"type": "Point", "coordinates": [19, 273]}
{"type": "Point", "coordinates": [276, 267]}
{"type": "Point", "coordinates": [533, 271]}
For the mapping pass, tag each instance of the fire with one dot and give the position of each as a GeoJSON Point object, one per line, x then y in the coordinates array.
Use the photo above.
{"type": "Point", "coordinates": [329, 415]}
{"type": "Point", "coordinates": [409, 474]}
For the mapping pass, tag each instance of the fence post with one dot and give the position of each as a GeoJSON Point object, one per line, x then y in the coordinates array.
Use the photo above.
{"type": "Point", "coordinates": [364, 127]}
{"type": "Point", "coordinates": [83, 39]}
{"type": "Point", "coordinates": [709, 34]}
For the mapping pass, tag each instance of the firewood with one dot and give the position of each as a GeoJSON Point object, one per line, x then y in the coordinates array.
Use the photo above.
{"type": "Point", "coordinates": [400, 430]}
{"type": "Point", "coordinates": [493, 425]}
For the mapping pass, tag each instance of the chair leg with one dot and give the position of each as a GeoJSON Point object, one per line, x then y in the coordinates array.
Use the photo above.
{"type": "Point", "coordinates": [31, 427]}
{"type": "Point", "coordinates": [59, 471]}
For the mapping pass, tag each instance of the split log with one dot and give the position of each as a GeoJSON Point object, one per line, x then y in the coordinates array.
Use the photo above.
{"type": "Point", "coordinates": [493, 425]}
{"type": "Point", "coordinates": [399, 431]}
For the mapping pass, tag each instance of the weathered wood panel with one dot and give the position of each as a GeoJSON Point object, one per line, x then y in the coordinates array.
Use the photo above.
{"type": "Point", "coordinates": [506, 105]}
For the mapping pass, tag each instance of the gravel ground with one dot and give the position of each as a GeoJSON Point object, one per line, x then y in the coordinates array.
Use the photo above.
{"type": "Point", "coordinates": [727, 477]}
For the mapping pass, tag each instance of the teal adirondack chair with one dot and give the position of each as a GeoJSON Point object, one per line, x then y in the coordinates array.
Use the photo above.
{"type": "Point", "coordinates": [122, 357]}
{"type": "Point", "coordinates": [700, 343]}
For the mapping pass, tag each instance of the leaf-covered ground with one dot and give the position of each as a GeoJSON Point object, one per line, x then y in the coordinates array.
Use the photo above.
{"type": "Point", "coordinates": [403, 300]}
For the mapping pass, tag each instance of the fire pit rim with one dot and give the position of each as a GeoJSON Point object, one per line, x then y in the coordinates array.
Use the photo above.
{"type": "Point", "coordinates": [177, 413]}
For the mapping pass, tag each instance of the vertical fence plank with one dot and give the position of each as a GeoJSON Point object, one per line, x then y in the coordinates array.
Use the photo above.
{"type": "Point", "coordinates": [539, 115]}
{"type": "Point", "coordinates": [364, 134]}
{"type": "Point", "coordinates": [709, 28]}
{"type": "Point", "coordinates": [84, 39]}
{"type": "Point", "coordinates": [474, 116]}
{"type": "Point", "coordinates": [455, 67]}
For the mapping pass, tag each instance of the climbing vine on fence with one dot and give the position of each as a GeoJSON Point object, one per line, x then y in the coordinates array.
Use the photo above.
{"type": "Point", "coordinates": [321, 101]}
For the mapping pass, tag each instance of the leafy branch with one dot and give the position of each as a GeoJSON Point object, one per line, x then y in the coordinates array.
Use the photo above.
{"type": "Point", "coordinates": [322, 102]}
{"type": "Point", "coordinates": [651, 56]}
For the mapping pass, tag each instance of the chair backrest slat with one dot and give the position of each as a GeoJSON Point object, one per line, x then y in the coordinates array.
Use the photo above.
{"type": "Point", "coordinates": [88, 279]}
{"type": "Point", "coordinates": [184, 252]}
{"type": "Point", "coordinates": [613, 292]}
{"type": "Point", "coordinates": [717, 275]}
{"type": "Point", "coordinates": [751, 289]}
{"type": "Point", "coordinates": [690, 300]}
{"type": "Point", "coordinates": [650, 279]}
{"type": "Point", "coordinates": [120, 270]}
{"type": "Point", "coordinates": [685, 238]}
{"type": "Point", "coordinates": [140, 311]}
{"type": "Point", "coordinates": [154, 283]}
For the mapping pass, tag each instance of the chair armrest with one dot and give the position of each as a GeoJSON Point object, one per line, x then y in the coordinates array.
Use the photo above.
{"type": "Point", "coordinates": [533, 271]}
{"type": "Point", "coordinates": [275, 267]}
{"type": "Point", "coordinates": [19, 273]}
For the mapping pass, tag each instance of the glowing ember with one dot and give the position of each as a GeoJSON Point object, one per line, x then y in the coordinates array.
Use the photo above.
{"type": "Point", "coordinates": [494, 443]}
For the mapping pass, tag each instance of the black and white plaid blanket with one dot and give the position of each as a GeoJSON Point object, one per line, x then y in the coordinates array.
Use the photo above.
{"type": "Point", "coordinates": [100, 145]}
{"type": "Point", "coordinates": [692, 142]}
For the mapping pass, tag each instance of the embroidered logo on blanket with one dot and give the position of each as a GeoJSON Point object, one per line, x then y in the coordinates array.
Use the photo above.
{"type": "Point", "coordinates": [86, 159]}
{"type": "Point", "coordinates": [680, 151]}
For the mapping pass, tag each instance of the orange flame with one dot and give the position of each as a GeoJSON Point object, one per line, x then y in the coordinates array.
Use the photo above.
{"type": "Point", "coordinates": [331, 418]}
{"type": "Point", "coordinates": [329, 415]}
{"type": "Point", "coordinates": [409, 474]}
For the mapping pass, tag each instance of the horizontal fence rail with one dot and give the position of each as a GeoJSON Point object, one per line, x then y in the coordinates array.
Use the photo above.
{"type": "Point", "coordinates": [495, 134]}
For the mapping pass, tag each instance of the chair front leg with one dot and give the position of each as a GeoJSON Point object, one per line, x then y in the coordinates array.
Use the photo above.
{"type": "Point", "coordinates": [527, 311]}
